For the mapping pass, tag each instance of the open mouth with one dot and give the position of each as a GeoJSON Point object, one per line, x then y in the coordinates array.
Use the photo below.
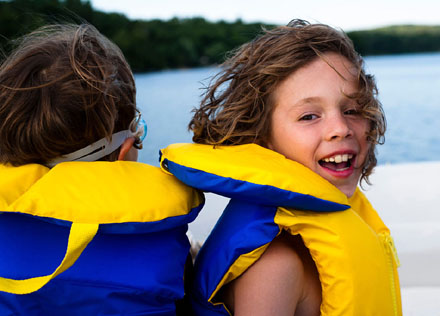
{"type": "Point", "coordinates": [338, 162]}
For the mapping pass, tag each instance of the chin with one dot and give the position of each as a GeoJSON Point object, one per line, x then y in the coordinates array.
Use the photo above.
{"type": "Point", "coordinates": [348, 191]}
{"type": "Point", "coordinates": [347, 188]}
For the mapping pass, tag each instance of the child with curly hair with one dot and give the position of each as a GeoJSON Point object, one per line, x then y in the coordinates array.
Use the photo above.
{"type": "Point", "coordinates": [287, 130]}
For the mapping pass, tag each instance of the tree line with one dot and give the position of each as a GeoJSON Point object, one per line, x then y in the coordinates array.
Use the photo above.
{"type": "Point", "coordinates": [180, 43]}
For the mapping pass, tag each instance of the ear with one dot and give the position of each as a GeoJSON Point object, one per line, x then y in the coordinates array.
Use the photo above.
{"type": "Point", "coordinates": [125, 147]}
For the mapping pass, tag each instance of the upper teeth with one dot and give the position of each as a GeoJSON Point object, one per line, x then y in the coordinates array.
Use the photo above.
{"type": "Point", "coordinates": [339, 158]}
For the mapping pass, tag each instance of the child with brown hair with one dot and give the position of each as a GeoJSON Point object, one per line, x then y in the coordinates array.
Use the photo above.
{"type": "Point", "coordinates": [287, 130]}
{"type": "Point", "coordinates": [84, 229]}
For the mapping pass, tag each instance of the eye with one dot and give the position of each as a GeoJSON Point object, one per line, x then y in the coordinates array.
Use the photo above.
{"type": "Point", "coordinates": [308, 117]}
{"type": "Point", "coordinates": [352, 111]}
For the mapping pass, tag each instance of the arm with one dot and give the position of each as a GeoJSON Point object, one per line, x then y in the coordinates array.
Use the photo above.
{"type": "Point", "coordinates": [284, 281]}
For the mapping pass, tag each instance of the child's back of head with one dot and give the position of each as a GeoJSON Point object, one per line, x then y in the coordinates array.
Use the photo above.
{"type": "Point", "coordinates": [64, 87]}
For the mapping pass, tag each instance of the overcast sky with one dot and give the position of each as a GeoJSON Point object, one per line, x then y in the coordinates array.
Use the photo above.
{"type": "Point", "coordinates": [345, 14]}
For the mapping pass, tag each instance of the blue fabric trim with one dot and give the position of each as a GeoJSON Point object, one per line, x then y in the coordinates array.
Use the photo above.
{"type": "Point", "coordinates": [133, 227]}
{"type": "Point", "coordinates": [254, 193]}
{"type": "Point", "coordinates": [149, 227]}
{"type": "Point", "coordinates": [242, 228]}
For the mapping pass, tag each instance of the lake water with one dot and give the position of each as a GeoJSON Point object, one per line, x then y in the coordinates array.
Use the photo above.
{"type": "Point", "coordinates": [409, 89]}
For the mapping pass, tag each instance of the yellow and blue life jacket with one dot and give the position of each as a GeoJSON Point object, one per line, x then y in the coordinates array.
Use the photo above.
{"type": "Point", "coordinates": [351, 247]}
{"type": "Point", "coordinates": [93, 238]}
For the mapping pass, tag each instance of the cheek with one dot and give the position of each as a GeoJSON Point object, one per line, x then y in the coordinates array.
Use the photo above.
{"type": "Point", "coordinates": [291, 145]}
{"type": "Point", "coordinates": [362, 135]}
{"type": "Point", "coordinates": [280, 137]}
{"type": "Point", "coordinates": [362, 129]}
{"type": "Point", "coordinates": [286, 138]}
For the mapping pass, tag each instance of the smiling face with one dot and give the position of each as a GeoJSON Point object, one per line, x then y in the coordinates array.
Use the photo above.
{"type": "Point", "coordinates": [315, 123]}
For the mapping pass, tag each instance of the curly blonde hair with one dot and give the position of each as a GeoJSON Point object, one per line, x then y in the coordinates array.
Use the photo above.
{"type": "Point", "coordinates": [237, 107]}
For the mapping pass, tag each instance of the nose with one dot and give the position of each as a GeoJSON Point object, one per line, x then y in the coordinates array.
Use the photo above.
{"type": "Point", "coordinates": [338, 127]}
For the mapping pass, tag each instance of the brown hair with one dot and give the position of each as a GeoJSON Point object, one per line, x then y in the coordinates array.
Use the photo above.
{"type": "Point", "coordinates": [63, 88]}
{"type": "Point", "coordinates": [237, 107]}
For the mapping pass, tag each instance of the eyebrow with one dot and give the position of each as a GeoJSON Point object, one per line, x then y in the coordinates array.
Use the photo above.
{"type": "Point", "coordinates": [308, 100]}
{"type": "Point", "coordinates": [313, 100]}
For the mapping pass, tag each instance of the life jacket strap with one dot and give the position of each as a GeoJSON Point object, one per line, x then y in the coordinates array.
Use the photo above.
{"type": "Point", "coordinates": [80, 236]}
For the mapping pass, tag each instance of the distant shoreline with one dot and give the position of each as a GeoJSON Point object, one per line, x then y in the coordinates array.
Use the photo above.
{"type": "Point", "coordinates": [176, 43]}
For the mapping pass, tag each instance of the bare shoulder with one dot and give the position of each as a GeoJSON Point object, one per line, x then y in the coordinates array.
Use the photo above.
{"type": "Point", "coordinates": [283, 281]}
{"type": "Point", "coordinates": [310, 301]}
